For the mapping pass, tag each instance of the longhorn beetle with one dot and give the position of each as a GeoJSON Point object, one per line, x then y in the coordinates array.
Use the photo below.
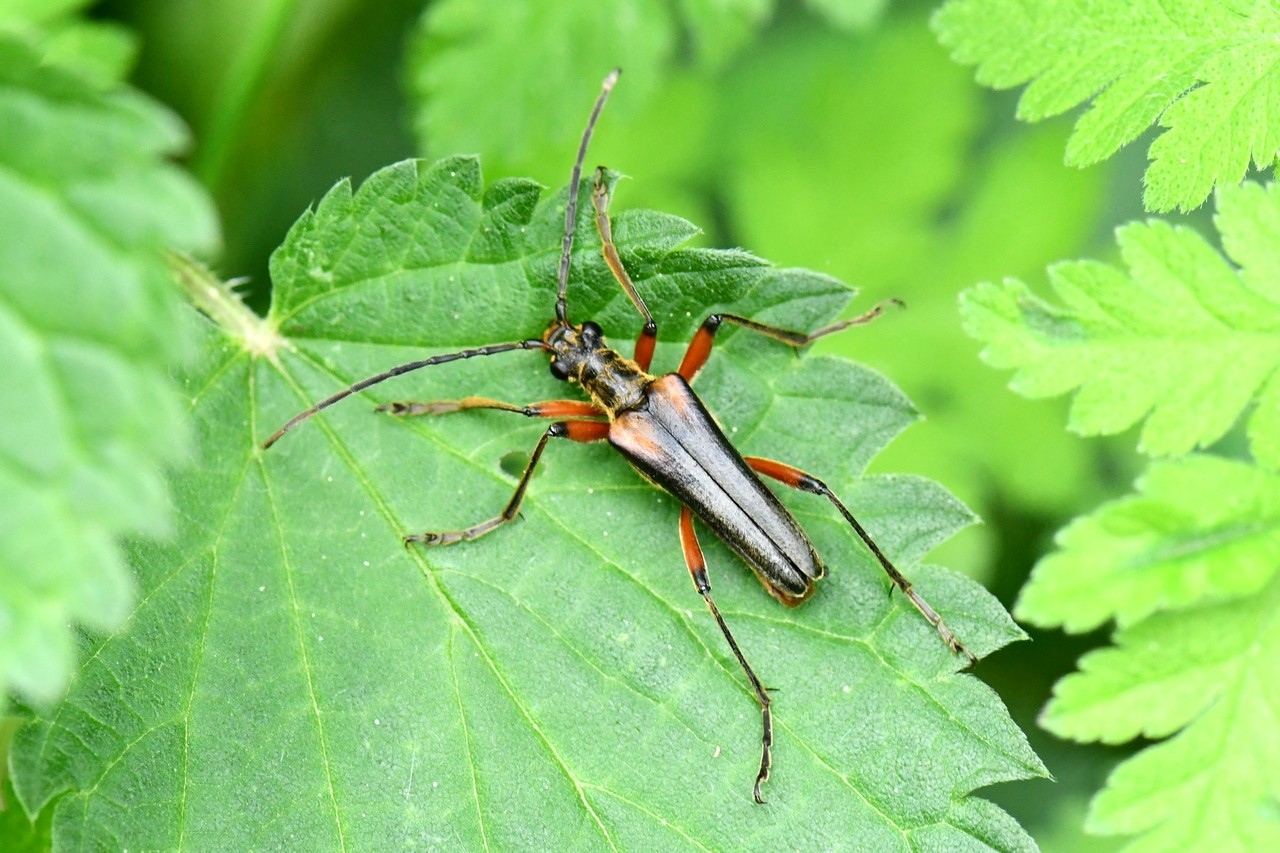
{"type": "Point", "coordinates": [660, 426]}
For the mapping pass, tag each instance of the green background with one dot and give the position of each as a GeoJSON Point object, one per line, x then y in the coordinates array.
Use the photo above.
{"type": "Point", "coordinates": [836, 136]}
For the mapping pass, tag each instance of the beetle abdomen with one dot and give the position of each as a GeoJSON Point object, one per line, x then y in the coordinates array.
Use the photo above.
{"type": "Point", "coordinates": [675, 443]}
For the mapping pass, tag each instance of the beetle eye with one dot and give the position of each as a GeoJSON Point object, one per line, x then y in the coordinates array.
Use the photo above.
{"type": "Point", "coordinates": [592, 334]}
{"type": "Point", "coordinates": [559, 370]}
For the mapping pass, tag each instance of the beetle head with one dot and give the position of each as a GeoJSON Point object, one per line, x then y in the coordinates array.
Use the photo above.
{"type": "Point", "coordinates": [572, 347]}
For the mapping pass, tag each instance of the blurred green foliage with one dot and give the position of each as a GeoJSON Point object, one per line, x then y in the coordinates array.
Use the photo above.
{"type": "Point", "coordinates": [89, 333]}
{"type": "Point", "coordinates": [834, 135]}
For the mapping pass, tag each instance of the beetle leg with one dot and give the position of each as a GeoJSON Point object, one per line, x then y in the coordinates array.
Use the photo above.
{"type": "Point", "coordinates": [584, 431]}
{"type": "Point", "coordinates": [698, 570]}
{"type": "Point", "coordinates": [700, 347]}
{"type": "Point", "coordinates": [798, 479]}
{"type": "Point", "coordinates": [547, 409]}
{"type": "Point", "coordinates": [649, 334]}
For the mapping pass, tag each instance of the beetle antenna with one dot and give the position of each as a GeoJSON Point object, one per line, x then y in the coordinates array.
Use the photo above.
{"type": "Point", "coordinates": [396, 371]}
{"type": "Point", "coordinates": [571, 211]}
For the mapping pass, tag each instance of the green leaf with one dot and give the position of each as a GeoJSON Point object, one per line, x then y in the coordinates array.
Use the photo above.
{"type": "Point", "coordinates": [89, 328]}
{"type": "Point", "coordinates": [1200, 528]}
{"type": "Point", "coordinates": [849, 14]}
{"type": "Point", "coordinates": [38, 11]}
{"type": "Point", "coordinates": [1212, 682]}
{"type": "Point", "coordinates": [20, 833]}
{"type": "Point", "coordinates": [1202, 69]}
{"type": "Point", "coordinates": [547, 58]}
{"type": "Point", "coordinates": [1187, 568]}
{"type": "Point", "coordinates": [99, 51]}
{"type": "Point", "coordinates": [466, 51]}
{"type": "Point", "coordinates": [555, 685]}
{"type": "Point", "coordinates": [1182, 339]}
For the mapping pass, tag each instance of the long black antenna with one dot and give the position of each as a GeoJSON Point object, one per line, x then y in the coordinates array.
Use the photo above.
{"type": "Point", "coordinates": [571, 212]}
{"type": "Point", "coordinates": [570, 220]}
{"type": "Point", "coordinates": [396, 371]}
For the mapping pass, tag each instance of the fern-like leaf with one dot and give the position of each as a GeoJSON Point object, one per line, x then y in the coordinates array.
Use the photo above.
{"type": "Point", "coordinates": [1201, 528]}
{"type": "Point", "coordinates": [1182, 338]}
{"type": "Point", "coordinates": [1205, 71]}
{"type": "Point", "coordinates": [1211, 786]}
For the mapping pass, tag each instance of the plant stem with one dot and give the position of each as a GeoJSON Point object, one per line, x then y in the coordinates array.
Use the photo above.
{"type": "Point", "coordinates": [216, 299]}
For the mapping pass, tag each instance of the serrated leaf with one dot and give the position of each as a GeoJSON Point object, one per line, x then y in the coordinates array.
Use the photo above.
{"type": "Point", "coordinates": [555, 685]}
{"type": "Point", "coordinates": [1199, 529]}
{"type": "Point", "coordinates": [1182, 339]}
{"type": "Point", "coordinates": [20, 834]}
{"type": "Point", "coordinates": [88, 329]}
{"type": "Point", "coordinates": [1203, 70]}
{"type": "Point", "coordinates": [1208, 675]}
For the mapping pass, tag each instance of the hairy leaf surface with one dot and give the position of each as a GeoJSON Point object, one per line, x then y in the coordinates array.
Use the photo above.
{"type": "Point", "coordinates": [292, 671]}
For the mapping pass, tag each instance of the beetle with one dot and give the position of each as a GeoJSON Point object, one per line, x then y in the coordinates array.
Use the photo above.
{"type": "Point", "coordinates": [660, 426]}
